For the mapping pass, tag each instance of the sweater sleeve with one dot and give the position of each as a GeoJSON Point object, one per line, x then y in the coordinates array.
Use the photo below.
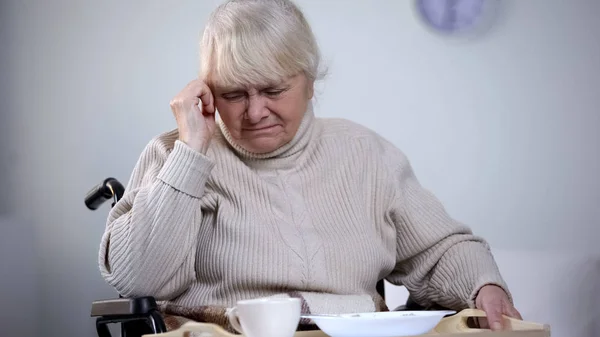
{"type": "Point", "coordinates": [148, 247]}
{"type": "Point", "coordinates": [438, 260]}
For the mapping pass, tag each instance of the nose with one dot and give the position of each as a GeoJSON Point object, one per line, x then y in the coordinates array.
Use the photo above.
{"type": "Point", "coordinates": [257, 109]}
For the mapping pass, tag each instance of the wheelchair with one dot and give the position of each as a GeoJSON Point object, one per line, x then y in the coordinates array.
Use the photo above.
{"type": "Point", "coordinates": [140, 316]}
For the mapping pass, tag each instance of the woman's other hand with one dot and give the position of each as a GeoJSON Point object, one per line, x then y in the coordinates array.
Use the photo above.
{"type": "Point", "coordinates": [194, 112]}
{"type": "Point", "coordinates": [494, 301]}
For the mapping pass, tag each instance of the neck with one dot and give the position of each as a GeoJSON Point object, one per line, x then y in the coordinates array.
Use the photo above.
{"type": "Point", "coordinates": [299, 142]}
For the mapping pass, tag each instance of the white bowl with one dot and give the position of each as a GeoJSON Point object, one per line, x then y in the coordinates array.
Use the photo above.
{"type": "Point", "coordinates": [379, 324]}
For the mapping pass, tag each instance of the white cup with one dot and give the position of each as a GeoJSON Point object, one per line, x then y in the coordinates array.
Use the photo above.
{"type": "Point", "coordinates": [266, 317]}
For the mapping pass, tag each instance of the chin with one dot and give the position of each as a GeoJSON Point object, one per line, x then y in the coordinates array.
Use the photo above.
{"type": "Point", "coordinates": [261, 146]}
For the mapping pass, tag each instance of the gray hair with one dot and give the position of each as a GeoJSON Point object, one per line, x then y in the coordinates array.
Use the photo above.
{"type": "Point", "coordinates": [258, 42]}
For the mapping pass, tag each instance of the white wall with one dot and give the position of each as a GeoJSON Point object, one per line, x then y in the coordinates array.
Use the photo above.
{"type": "Point", "coordinates": [18, 279]}
{"type": "Point", "coordinates": [4, 111]}
{"type": "Point", "coordinates": [513, 153]}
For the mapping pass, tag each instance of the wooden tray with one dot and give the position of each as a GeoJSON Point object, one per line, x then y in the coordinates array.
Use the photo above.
{"type": "Point", "coordinates": [453, 326]}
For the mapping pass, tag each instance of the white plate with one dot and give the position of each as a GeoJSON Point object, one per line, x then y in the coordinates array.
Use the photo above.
{"type": "Point", "coordinates": [379, 324]}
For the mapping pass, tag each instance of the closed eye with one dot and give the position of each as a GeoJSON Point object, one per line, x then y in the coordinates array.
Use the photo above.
{"type": "Point", "coordinates": [273, 92]}
{"type": "Point", "coordinates": [233, 96]}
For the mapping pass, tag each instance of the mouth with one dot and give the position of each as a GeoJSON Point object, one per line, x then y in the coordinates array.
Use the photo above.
{"type": "Point", "coordinates": [264, 128]}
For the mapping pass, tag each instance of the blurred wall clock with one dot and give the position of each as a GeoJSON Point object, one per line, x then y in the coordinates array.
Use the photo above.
{"type": "Point", "coordinates": [458, 17]}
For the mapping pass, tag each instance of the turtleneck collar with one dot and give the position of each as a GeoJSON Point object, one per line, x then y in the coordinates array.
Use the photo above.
{"type": "Point", "coordinates": [299, 142]}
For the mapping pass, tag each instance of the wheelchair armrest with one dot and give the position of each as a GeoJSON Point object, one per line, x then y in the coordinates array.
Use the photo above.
{"type": "Point", "coordinates": [124, 307]}
{"type": "Point", "coordinates": [137, 316]}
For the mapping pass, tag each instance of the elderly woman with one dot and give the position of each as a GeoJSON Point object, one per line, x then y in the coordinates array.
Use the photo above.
{"type": "Point", "coordinates": [266, 199]}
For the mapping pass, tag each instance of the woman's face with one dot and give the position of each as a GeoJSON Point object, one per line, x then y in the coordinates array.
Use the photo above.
{"type": "Point", "coordinates": [262, 119]}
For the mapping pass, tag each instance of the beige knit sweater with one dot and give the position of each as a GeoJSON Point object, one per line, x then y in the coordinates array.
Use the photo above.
{"type": "Point", "coordinates": [322, 218]}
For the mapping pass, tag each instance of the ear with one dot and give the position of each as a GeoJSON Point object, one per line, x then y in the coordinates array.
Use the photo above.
{"type": "Point", "coordinates": [310, 89]}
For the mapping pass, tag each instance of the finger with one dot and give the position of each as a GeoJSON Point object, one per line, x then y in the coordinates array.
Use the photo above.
{"type": "Point", "coordinates": [202, 92]}
{"type": "Point", "coordinates": [207, 100]}
{"type": "Point", "coordinates": [511, 311]}
{"type": "Point", "coordinates": [494, 317]}
{"type": "Point", "coordinates": [516, 314]}
{"type": "Point", "coordinates": [210, 119]}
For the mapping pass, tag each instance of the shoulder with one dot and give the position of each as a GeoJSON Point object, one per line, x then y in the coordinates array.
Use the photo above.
{"type": "Point", "coordinates": [158, 149]}
{"type": "Point", "coordinates": [163, 142]}
{"type": "Point", "coordinates": [357, 136]}
{"type": "Point", "coordinates": [344, 128]}
{"type": "Point", "coordinates": [355, 133]}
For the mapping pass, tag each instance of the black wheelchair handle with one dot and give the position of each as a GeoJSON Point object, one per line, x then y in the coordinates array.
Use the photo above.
{"type": "Point", "coordinates": [109, 189]}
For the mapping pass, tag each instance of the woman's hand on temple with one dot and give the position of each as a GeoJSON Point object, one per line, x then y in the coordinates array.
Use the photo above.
{"type": "Point", "coordinates": [494, 301]}
{"type": "Point", "coordinates": [194, 112]}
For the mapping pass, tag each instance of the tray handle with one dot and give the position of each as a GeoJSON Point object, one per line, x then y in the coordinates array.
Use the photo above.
{"type": "Point", "coordinates": [458, 323]}
{"type": "Point", "coordinates": [202, 329]}
{"type": "Point", "coordinates": [213, 330]}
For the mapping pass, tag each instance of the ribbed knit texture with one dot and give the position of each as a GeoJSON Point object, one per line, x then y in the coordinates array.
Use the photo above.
{"type": "Point", "coordinates": [324, 217]}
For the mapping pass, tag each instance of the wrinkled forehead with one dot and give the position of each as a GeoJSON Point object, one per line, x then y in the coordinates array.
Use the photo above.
{"type": "Point", "coordinates": [240, 80]}
{"type": "Point", "coordinates": [254, 86]}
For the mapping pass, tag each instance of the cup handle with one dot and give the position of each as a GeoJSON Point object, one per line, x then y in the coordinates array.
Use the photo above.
{"type": "Point", "coordinates": [234, 320]}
